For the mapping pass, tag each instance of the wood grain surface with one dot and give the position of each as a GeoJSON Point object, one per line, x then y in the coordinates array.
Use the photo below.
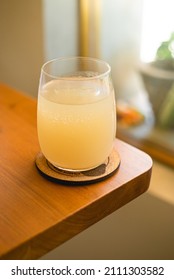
{"type": "Point", "coordinates": [37, 215]}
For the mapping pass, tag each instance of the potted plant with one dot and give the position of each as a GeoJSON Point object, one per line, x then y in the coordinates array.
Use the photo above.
{"type": "Point", "coordinates": [158, 79]}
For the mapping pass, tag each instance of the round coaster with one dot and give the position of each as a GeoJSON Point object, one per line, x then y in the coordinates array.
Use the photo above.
{"type": "Point", "coordinates": [99, 173]}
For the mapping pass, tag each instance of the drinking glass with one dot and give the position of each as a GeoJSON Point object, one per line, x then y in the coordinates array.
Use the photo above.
{"type": "Point", "coordinates": [76, 113]}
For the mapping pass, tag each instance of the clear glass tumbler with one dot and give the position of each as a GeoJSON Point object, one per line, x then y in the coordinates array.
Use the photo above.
{"type": "Point", "coordinates": [76, 115]}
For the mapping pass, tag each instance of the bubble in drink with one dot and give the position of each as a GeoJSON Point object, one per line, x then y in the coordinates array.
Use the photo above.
{"type": "Point", "coordinates": [76, 123]}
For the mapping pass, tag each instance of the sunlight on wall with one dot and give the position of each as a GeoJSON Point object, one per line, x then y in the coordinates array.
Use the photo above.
{"type": "Point", "coordinates": [157, 25]}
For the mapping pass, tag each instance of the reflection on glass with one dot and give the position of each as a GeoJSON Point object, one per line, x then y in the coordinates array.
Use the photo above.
{"type": "Point", "coordinates": [76, 113]}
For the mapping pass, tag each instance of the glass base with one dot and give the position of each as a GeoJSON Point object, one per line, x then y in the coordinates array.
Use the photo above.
{"type": "Point", "coordinates": [74, 177]}
{"type": "Point", "coordinates": [70, 171]}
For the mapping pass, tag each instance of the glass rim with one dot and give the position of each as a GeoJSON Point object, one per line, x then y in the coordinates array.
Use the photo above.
{"type": "Point", "coordinates": [98, 76]}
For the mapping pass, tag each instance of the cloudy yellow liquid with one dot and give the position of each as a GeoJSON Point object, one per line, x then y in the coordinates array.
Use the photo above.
{"type": "Point", "coordinates": [76, 127]}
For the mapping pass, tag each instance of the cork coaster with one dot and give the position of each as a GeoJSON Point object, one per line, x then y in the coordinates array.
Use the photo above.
{"type": "Point", "coordinates": [103, 171]}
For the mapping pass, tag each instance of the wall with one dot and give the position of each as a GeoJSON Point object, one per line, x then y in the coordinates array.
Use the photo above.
{"type": "Point", "coordinates": [31, 33]}
{"type": "Point", "coordinates": [60, 28]}
{"type": "Point", "coordinates": [21, 47]}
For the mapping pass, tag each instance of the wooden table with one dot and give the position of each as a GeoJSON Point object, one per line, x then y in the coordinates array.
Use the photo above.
{"type": "Point", "coordinates": [36, 215]}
